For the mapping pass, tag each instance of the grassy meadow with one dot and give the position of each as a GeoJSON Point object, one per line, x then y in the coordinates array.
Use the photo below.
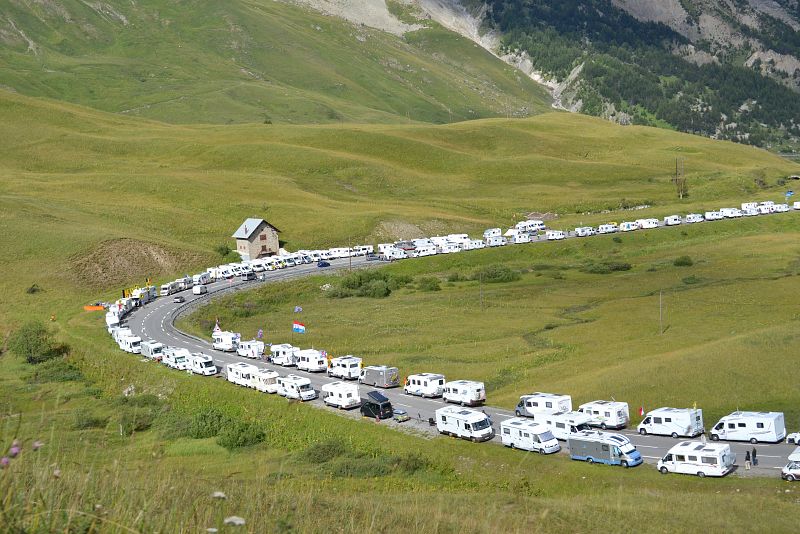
{"type": "Point", "coordinates": [91, 202]}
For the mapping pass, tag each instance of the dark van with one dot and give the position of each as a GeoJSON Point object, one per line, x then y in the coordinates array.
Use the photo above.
{"type": "Point", "coordinates": [376, 405]}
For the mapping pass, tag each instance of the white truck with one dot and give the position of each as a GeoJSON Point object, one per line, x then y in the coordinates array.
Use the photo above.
{"type": "Point", "coordinates": [543, 403]}
{"type": "Point", "coordinates": [606, 414]}
{"type": "Point", "coordinates": [791, 471]}
{"type": "Point", "coordinates": [152, 349]}
{"type": "Point", "coordinates": [464, 423]}
{"type": "Point", "coordinates": [342, 395]}
{"type": "Point", "coordinates": [521, 433]}
{"type": "Point", "coordinates": [176, 358]}
{"type": "Point", "coordinates": [202, 364]}
{"type": "Point", "coordinates": [464, 392]}
{"type": "Point", "coordinates": [250, 349]}
{"type": "Point", "coordinates": [284, 354]}
{"type": "Point", "coordinates": [312, 361]}
{"type": "Point", "coordinates": [562, 425]}
{"type": "Point", "coordinates": [225, 341]}
{"type": "Point", "coordinates": [266, 381]}
{"type": "Point", "coordinates": [697, 458]}
{"type": "Point", "coordinates": [345, 367]}
{"type": "Point", "coordinates": [755, 427]}
{"type": "Point", "coordinates": [296, 387]}
{"type": "Point", "coordinates": [380, 376]}
{"type": "Point", "coordinates": [241, 374]}
{"type": "Point", "coordinates": [424, 385]}
{"type": "Point", "coordinates": [675, 422]}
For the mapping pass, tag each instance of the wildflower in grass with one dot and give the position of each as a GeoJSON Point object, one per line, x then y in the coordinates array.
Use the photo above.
{"type": "Point", "coordinates": [56, 473]}
{"type": "Point", "coordinates": [4, 461]}
{"type": "Point", "coordinates": [234, 521]}
{"type": "Point", "coordinates": [218, 495]}
{"type": "Point", "coordinates": [36, 445]}
{"type": "Point", "coordinates": [14, 451]}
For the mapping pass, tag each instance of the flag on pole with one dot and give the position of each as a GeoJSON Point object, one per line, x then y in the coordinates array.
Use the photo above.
{"type": "Point", "coordinates": [641, 411]}
{"type": "Point", "coordinates": [216, 326]}
{"type": "Point", "coordinates": [260, 333]}
{"type": "Point", "coordinates": [300, 328]}
{"type": "Point", "coordinates": [298, 309]}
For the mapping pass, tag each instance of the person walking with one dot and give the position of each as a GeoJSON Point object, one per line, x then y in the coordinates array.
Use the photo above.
{"type": "Point", "coordinates": [747, 461]}
{"type": "Point", "coordinates": [755, 461]}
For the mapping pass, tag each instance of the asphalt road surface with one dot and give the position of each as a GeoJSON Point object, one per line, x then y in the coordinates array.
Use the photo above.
{"type": "Point", "coordinates": [155, 321]}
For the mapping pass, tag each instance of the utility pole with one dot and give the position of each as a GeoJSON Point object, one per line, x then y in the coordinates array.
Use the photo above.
{"type": "Point", "coordinates": [660, 313]}
{"type": "Point", "coordinates": [480, 286]}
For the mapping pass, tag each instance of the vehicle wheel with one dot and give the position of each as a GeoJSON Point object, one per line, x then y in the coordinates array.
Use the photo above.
{"type": "Point", "coordinates": [512, 446]}
{"type": "Point", "coordinates": [517, 413]}
{"type": "Point", "coordinates": [664, 470]}
{"type": "Point", "coordinates": [701, 474]}
{"type": "Point", "coordinates": [674, 435]}
{"type": "Point", "coordinates": [792, 478]}
{"type": "Point", "coordinates": [473, 439]}
{"type": "Point", "coordinates": [541, 451]}
{"type": "Point", "coordinates": [625, 464]}
{"type": "Point", "coordinates": [642, 431]}
{"type": "Point", "coordinates": [714, 437]}
{"type": "Point", "coordinates": [602, 426]}
{"type": "Point", "coordinates": [753, 441]}
{"type": "Point", "coordinates": [590, 460]}
{"type": "Point", "coordinates": [463, 404]}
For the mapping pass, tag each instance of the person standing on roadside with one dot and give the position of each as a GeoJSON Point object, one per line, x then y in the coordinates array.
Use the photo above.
{"type": "Point", "coordinates": [747, 460]}
{"type": "Point", "coordinates": [755, 461]}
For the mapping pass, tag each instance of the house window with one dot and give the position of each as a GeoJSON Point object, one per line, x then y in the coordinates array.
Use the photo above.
{"type": "Point", "coordinates": [263, 237]}
{"type": "Point", "coordinates": [263, 248]}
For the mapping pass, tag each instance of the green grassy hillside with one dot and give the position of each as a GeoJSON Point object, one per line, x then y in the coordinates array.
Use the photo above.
{"type": "Point", "coordinates": [250, 61]}
{"type": "Point", "coordinates": [90, 202]}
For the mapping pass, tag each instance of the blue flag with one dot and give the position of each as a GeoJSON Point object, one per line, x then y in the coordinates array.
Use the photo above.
{"type": "Point", "coordinates": [260, 333]}
{"type": "Point", "coordinates": [298, 309]}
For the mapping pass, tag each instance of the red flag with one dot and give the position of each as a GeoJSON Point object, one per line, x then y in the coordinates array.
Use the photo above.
{"type": "Point", "coordinates": [641, 411]}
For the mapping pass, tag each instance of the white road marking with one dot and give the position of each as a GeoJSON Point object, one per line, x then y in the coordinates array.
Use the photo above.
{"type": "Point", "coordinates": [649, 447]}
{"type": "Point", "coordinates": [652, 457]}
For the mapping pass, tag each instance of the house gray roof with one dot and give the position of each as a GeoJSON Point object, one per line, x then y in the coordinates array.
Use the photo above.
{"type": "Point", "coordinates": [249, 226]}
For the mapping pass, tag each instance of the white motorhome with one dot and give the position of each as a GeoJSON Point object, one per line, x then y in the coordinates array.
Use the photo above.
{"type": "Point", "coordinates": [731, 213]}
{"type": "Point", "coordinates": [342, 395]}
{"type": "Point", "coordinates": [764, 209]}
{"type": "Point", "coordinates": [132, 344]}
{"type": "Point", "coordinates": [791, 471]}
{"type": "Point", "coordinates": [492, 232]}
{"type": "Point", "coordinates": [119, 333]}
{"type": "Point", "coordinates": [555, 235]}
{"type": "Point", "coordinates": [296, 387]}
{"type": "Point", "coordinates": [543, 403]}
{"type": "Point", "coordinates": [531, 225]}
{"type": "Point", "coordinates": [713, 216]}
{"type": "Point", "coordinates": [152, 349]}
{"type": "Point", "coordinates": [176, 358]}
{"type": "Point", "coordinates": [796, 206]}
{"type": "Point", "coordinates": [584, 231]}
{"type": "Point", "coordinates": [603, 448]}
{"type": "Point", "coordinates": [113, 319]}
{"type": "Point", "coordinates": [647, 224]}
{"type": "Point", "coordinates": [345, 367]}
{"type": "Point", "coordinates": [698, 458]}
{"type": "Point", "coordinates": [168, 289]}
{"type": "Point", "coordinates": [694, 218]}
{"type": "Point", "coordinates": [606, 414]}
{"type": "Point", "coordinates": [312, 361]}
{"type": "Point", "coordinates": [199, 290]}
{"type": "Point", "coordinates": [520, 239]}
{"type": "Point", "coordinates": [780, 208]}
{"type": "Point", "coordinates": [449, 248]}
{"type": "Point", "coordinates": [564, 424]}
{"type": "Point", "coordinates": [750, 212]}
{"type": "Point", "coordinates": [495, 241]}
{"type": "Point", "coordinates": [521, 433]}
{"type": "Point", "coordinates": [464, 392]}
{"type": "Point", "coordinates": [474, 244]}
{"type": "Point", "coordinates": [628, 226]}
{"type": "Point", "coordinates": [250, 349]}
{"type": "Point", "coordinates": [392, 254]}
{"type": "Point", "coordinates": [426, 250]}
{"type": "Point", "coordinates": [225, 341]}
{"type": "Point", "coordinates": [754, 427]}
{"type": "Point", "coordinates": [464, 423]}
{"type": "Point", "coordinates": [380, 376]}
{"type": "Point", "coordinates": [241, 373]}
{"type": "Point", "coordinates": [266, 381]}
{"type": "Point", "coordinates": [675, 422]}
{"type": "Point", "coordinates": [749, 206]}
{"type": "Point", "coordinates": [284, 354]}
{"type": "Point", "coordinates": [607, 229]}
{"type": "Point", "coordinates": [672, 220]}
{"type": "Point", "coordinates": [202, 364]}
{"type": "Point", "coordinates": [424, 385]}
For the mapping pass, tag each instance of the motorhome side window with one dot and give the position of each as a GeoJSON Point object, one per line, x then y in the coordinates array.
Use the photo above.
{"type": "Point", "coordinates": [560, 425]}
{"type": "Point", "coordinates": [549, 404]}
{"type": "Point", "coordinates": [759, 425]}
{"type": "Point", "coordinates": [731, 425]}
{"type": "Point", "coordinates": [680, 458]}
{"type": "Point", "coordinates": [506, 431]}
{"type": "Point", "coordinates": [444, 419]}
{"type": "Point", "coordinates": [668, 419]}
{"type": "Point", "coordinates": [657, 420]}
{"type": "Point", "coordinates": [692, 458]}
{"type": "Point", "coordinates": [605, 448]}
{"type": "Point", "coordinates": [709, 461]}
{"type": "Point", "coordinates": [742, 425]}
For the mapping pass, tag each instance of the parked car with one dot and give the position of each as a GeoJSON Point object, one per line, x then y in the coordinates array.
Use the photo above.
{"type": "Point", "coordinates": [323, 263]}
{"type": "Point", "coordinates": [401, 416]}
{"type": "Point", "coordinates": [373, 257]}
{"type": "Point", "coordinates": [794, 437]}
{"type": "Point", "coordinates": [179, 299]}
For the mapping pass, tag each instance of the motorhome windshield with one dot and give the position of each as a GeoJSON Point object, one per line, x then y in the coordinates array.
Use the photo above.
{"type": "Point", "coordinates": [480, 425]}
{"type": "Point", "coordinates": [208, 364]}
{"type": "Point", "coordinates": [305, 387]}
{"type": "Point", "coordinates": [582, 426]}
{"type": "Point", "coordinates": [180, 359]}
{"type": "Point", "coordinates": [627, 449]}
{"type": "Point", "coordinates": [546, 436]}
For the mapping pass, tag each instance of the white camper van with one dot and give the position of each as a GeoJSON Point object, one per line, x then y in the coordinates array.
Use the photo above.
{"type": "Point", "coordinates": [543, 403]}
{"type": "Point", "coordinates": [697, 458]}
{"type": "Point", "coordinates": [492, 232]}
{"type": "Point", "coordinates": [132, 344]}
{"type": "Point", "coordinates": [266, 381]}
{"type": "Point", "coordinates": [199, 290]}
{"type": "Point", "coordinates": [342, 395]}
{"type": "Point", "coordinates": [606, 414]}
{"type": "Point", "coordinates": [628, 226]}
{"type": "Point", "coordinates": [495, 241]}
{"type": "Point", "coordinates": [168, 289]}
{"type": "Point", "coordinates": [672, 220]}
{"type": "Point", "coordinates": [519, 239]}
{"type": "Point", "coordinates": [555, 235]}
{"type": "Point", "coordinates": [603, 448]}
{"type": "Point", "coordinates": [296, 387]}
{"type": "Point", "coordinates": [380, 376]}
{"type": "Point", "coordinates": [424, 385]}
{"type": "Point", "coordinates": [176, 358]}
{"type": "Point", "coordinates": [647, 224]}
{"type": "Point", "coordinates": [796, 206]}
{"type": "Point", "coordinates": [152, 349]}
{"type": "Point", "coordinates": [241, 373]}
{"type": "Point", "coordinates": [284, 354]}
{"type": "Point", "coordinates": [225, 341]}
{"type": "Point", "coordinates": [521, 433]}
{"type": "Point", "coordinates": [607, 229]}
{"type": "Point", "coordinates": [312, 361]}
{"type": "Point", "coordinates": [464, 392]}
{"type": "Point", "coordinates": [713, 216]}
{"type": "Point", "coordinates": [791, 470]}
{"type": "Point", "coordinates": [202, 364]}
{"type": "Point", "coordinates": [694, 218]}
{"type": "Point", "coordinates": [749, 206]}
{"type": "Point", "coordinates": [584, 231]}
{"type": "Point", "coordinates": [201, 279]}
{"type": "Point", "coordinates": [250, 349]}
{"type": "Point", "coordinates": [464, 423]}
{"type": "Point", "coordinates": [345, 367]}
{"type": "Point", "coordinates": [754, 427]}
{"type": "Point", "coordinates": [731, 213]}
{"type": "Point", "coordinates": [562, 425]}
{"type": "Point", "coordinates": [675, 422]}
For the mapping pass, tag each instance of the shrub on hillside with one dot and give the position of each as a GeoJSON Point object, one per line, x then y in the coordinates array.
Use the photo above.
{"type": "Point", "coordinates": [208, 423]}
{"type": "Point", "coordinates": [368, 284]}
{"type": "Point", "coordinates": [428, 283]}
{"type": "Point", "coordinates": [606, 267]}
{"type": "Point", "coordinates": [454, 277]}
{"type": "Point", "coordinates": [241, 434]}
{"type": "Point", "coordinates": [683, 261]}
{"type": "Point", "coordinates": [137, 413]}
{"type": "Point", "coordinates": [86, 419]}
{"type": "Point", "coordinates": [322, 451]}
{"type": "Point", "coordinates": [55, 370]}
{"type": "Point", "coordinates": [495, 274]}
{"type": "Point", "coordinates": [34, 342]}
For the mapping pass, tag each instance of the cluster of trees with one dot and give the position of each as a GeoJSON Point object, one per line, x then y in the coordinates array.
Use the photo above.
{"type": "Point", "coordinates": [630, 64]}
